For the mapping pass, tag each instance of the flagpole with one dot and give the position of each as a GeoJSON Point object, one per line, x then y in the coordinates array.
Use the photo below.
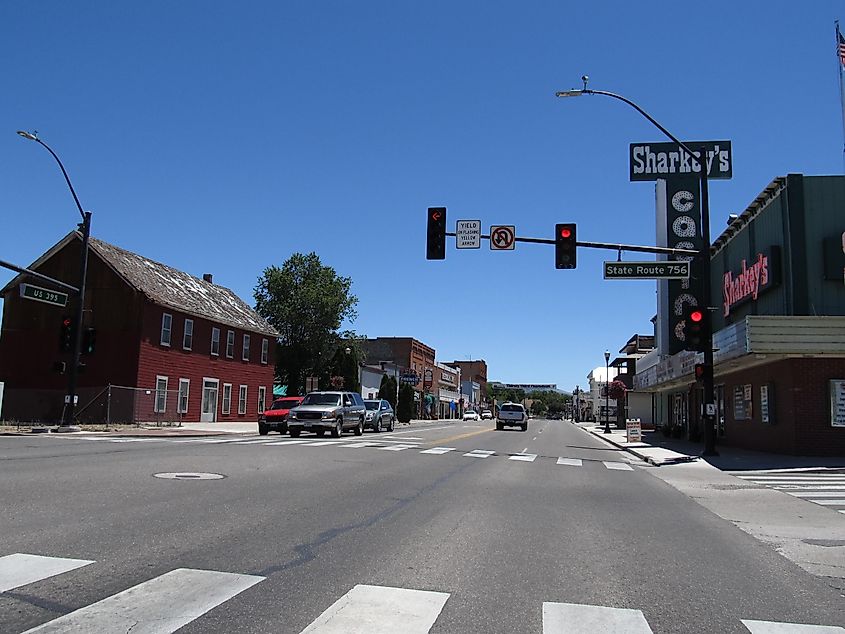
{"type": "Point", "coordinates": [840, 66]}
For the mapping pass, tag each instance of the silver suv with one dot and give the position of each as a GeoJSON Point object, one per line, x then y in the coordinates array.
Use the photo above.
{"type": "Point", "coordinates": [328, 411]}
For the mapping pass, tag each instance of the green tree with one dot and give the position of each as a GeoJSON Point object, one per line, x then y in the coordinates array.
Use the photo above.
{"type": "Point", "coordinates": [387, 390]}
{"type": "Point", "coordinates": [405, 411]}
{"type": "Point", "coordinates": [306, 302]}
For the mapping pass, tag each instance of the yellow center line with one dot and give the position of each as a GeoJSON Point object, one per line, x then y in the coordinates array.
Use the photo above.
{"type": "Point", "coordinates": [441, 441]}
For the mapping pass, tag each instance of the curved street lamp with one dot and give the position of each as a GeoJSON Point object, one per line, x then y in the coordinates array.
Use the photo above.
{"type": "Point", "coordinates": [703, 256]}
{"type": "Point", "coordinates": [85, 226]}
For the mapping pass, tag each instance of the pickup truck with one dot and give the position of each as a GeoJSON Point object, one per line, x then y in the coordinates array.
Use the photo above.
{"type": "Point", "coordinates": [512, 415]}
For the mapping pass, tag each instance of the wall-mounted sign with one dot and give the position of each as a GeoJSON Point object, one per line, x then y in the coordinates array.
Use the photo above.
{"type": "Point", "coordinates": [766, 406]}
{"type": "Point", "coordinates": [837, 402]}
{"type": "Point", "coordinates": [746, 284]}
{"type": "Point", "coordinates": [652, 161]}
{"type": "Point", "coordinates": [742, 402]}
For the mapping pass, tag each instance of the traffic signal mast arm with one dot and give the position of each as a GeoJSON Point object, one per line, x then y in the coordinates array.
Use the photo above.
{"type": "Point", "coordinates": [602, 245]}
{"type": "Point", "coordinates": [43, 278]}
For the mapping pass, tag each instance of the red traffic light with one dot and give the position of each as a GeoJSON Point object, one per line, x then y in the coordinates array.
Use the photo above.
{"type": "Point", "coordinates": [696, 316]}
{"type": "Point", "coordinates": [66, 321]}
{"type": "Point", "coordinates": [565, 232]}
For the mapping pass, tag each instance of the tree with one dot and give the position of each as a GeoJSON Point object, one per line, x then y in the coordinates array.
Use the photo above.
{"type": "Point", "coordinates": [387, 390]}
{"type": "Point", "coordinates": [307, 303]}
{"type": "Point", "coordinates": [405, 410]}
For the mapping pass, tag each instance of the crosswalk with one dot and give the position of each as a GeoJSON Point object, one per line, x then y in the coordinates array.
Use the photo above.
{"type": "Point", "coordinates": [383, 443]}
{"type": "Point", "coordinates": [165, 603]}
{"type": "Point", "coordinates": [825, 488]}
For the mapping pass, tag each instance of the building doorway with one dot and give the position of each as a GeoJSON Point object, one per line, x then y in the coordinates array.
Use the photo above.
{"type": "Point", "coordinates": [209, 400]}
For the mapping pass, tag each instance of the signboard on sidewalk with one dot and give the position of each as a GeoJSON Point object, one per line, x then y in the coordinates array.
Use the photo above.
{"type": "Point", "coordinates": [633, 426]}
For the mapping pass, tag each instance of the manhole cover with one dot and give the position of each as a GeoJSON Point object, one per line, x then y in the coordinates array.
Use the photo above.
{"type": "Point", "coordinates": [187, 475]}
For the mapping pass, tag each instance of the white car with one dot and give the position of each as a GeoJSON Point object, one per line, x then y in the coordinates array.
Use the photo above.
{"type": "Point", "coordinates": [512, 415]}
{"type": "Point", "coordinates": [471, 414]}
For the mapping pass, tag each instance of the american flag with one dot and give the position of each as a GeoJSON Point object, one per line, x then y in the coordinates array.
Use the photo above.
{"type": "Point", "coordinates": [841, 48]}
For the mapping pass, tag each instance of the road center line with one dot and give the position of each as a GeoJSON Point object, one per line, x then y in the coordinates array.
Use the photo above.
{"type": "Point", "coordinates": [458, 437]}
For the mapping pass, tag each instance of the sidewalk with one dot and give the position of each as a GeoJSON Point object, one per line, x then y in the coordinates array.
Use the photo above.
{"type": "Point", "coordinates": [659, 450]}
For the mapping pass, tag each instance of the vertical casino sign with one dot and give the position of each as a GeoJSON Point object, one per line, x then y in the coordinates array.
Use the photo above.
{"type": "Point", "coordinates": [677, 180]}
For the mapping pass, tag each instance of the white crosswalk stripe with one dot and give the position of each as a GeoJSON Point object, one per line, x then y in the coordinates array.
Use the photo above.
{"type": "Point", "coordinates": [479, 453]}
{"type": "Point", "coordinates": [398, 447]}
{"type": "Point", "coordinates": [159, 606]}
{"type": "Point", "coordinates": [825, 488]}
{"type": "Point", "coordinates": [380, 610]}
{"type": "Point", "coordinates": [438, 451]}
{"type": "Point", "coordinates": [772, 627]}
{"type": "Point", "coordinates": [572, 462]}
{"type": "Point", "coordinates": [523, 457]}
{"type": "Point", "coordinates": [560, 618]}
{"type": "Point", "coordinates": [21, 569]}
{"type": "Point", "coordinates": [618, 466]}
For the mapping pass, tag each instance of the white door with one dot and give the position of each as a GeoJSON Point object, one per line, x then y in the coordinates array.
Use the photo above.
{"type": "Point", "coordinates": [209, 401]}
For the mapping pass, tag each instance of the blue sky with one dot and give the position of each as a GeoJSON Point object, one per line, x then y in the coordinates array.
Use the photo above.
{"type": "Point", "coordinates": [223, 136]}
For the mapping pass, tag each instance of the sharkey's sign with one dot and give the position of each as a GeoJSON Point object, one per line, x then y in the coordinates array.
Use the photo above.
{"type": "Point", "coordinates": [752, 279]}
{"type": "Point", "coordinates": [651, 161]}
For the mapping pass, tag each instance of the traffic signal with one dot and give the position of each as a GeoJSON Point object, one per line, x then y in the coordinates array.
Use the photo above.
{"type": "Point", "coordinates": [700, 372]}
{"type": "Point", "coordinates": [565, 246]}
{"type": "Point", "coordinates": [66, 334]}
{"type": "Point", "coordinates": [436, 240]}
{"type": "Point", "coordinates": [59, 367]}
{"type": "Point", "coordinates": [696, 328]}
{"type": "Point", "coordinates": [89, 340]}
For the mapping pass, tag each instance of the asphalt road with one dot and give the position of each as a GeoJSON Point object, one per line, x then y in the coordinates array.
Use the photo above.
{"type": "Point", "coordinates": [489, 540]}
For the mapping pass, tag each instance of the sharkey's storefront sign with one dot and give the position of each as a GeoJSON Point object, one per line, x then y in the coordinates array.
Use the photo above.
{"type": "Point", "coordinates": [752, 279]}
{"type": "Point", "coordinates": [651, 161]}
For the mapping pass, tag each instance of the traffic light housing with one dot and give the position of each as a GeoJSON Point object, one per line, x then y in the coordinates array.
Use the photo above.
{"type": "Point", "coordinates": [700, 372]}
{"type": "Point", "coordinates": [435, 248]}
{"type": "Point", "coordinates": [89, 340]}
{"type": "Point", "coordinates": [565, 243]}
{"type": "Point", "coordinates": [696, 328]}
{"type": "Point", "coordinates": [66, 334]}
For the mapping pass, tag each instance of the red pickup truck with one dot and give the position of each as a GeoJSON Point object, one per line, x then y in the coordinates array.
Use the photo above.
{"type": "Point", "coordinates": [276, 418]}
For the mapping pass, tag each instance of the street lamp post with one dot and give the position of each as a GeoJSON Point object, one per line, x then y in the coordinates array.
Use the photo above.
{"type": "Point", "coordinates": [606, 392]}
{"type": "Point", "coordinates": [703, 257]}
{"type": "Point", "coordinates": [85, 226]}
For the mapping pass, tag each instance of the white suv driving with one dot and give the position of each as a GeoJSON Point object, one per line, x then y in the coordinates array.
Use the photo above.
{"type": "Point", "coordinates": [513, 415]}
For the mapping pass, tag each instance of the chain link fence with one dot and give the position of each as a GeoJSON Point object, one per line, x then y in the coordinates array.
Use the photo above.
{"type": "Point", "coordinates": [121, 405]}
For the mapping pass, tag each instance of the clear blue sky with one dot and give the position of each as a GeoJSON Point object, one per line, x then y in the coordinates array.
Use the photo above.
{"type": "Point", "coordinates": [223, 136]}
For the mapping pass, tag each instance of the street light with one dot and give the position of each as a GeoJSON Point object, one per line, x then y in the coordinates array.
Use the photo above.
{"type": "Point", "coordinates": [703, 256]}
{"type": "Point", "coordinates": [85, 225]}
{"type": "Point", "coordinates": [606, 392]}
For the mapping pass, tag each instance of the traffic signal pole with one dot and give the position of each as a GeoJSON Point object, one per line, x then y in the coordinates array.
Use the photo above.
{"type": "Point", "coordinates": [73, 371]}
{"type": "Point", "coordinates": [709, 414]}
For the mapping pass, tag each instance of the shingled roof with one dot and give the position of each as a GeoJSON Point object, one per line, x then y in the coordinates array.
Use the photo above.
{"type": "Point", "coordinates": [171, 288]}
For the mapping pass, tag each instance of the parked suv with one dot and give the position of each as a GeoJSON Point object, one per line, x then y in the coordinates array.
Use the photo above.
{"type": "Point", "coordinates": [513, 415]}
{"type": "Point", "coordinates": [379, 415]}
{"type": "Point", "coordinates": [328, 411]}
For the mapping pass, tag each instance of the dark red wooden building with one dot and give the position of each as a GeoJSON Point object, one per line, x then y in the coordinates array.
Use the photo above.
{"type": "Point", "coordinates": [168, 346]}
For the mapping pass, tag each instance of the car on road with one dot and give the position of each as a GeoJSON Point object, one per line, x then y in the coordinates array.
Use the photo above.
{"type": "Point", "coordinates": [512, 415]}
{"type": "Point", "coordinates": [379, 415]}
{"type": "Point", "coordinates": [328, 411]}
{"type": "Point", "coordinates": [276, 418]}
{"type": "Point", "coordinates": [486, 414]}
{"type": "Point", "coordinates": [471, 414]}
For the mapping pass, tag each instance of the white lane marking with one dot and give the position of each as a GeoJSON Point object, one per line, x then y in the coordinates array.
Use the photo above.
{"type": "Point", "coordinates": [322, 443]}
{"type": "Point", "coordinates": [524, 457]}
{"type": "Point", "coordinates": [560, 618]}
{"type": "Point", "coordinates": [380, 610]}
{"type": "Point", "coordinates": [263, 441]}
{"type": "Point", "coordinates": [437, 451]}
{"type": "Point", "coordinates": [828, 502]}
{"type": "Point", "coordinates": [361, 444]}
{"type": "Point", "coordinates": [535, 438]}
{"type": "Point", "coordinates": [20, 569]}
{"type": "Point", "coordinates": [815, 487]}
{"type": "Point", "coordinates": [524, 450]}
{"type": "Point", "coordinates": [814, 494]}
{"type": "Point", "coordinates": [842, 511]}
{"type": "Point", "coordinates": [398, 447]}
{"type": "Point", "coordinates": [158, 606]}
{"type": "Point", "coordinates": [287, 442]}
{"type": "Point", "coordinates": [618, 466]}
{"type": "Point", "coordinates": [479, 453]}
{"type": "Point", "coordinates": [402, 439]}
{"type": "Point", "coordinates": [771, 627]}
{"type": "Point", "coordinates": [572, 462]}
{"type": "Point", "coordinates": [832, 480]}
{"type": "Point", "coordinates": [382, 439]}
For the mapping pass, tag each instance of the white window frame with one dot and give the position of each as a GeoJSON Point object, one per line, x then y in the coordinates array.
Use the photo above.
{"type": "Point", "coordinates": [180, 408]}
{"type": "Point", "coordinates": [230, 344]}
{"type": "Point", "coordinates": [215, 341]}
{"type": "Point", "coordinates": [226, 401]}
{"type": "Point", "coordinates": [245, 351]}
{"type": "Point", "coordinates": [166, 318]}
{"type": "Point", "coordinates": [262, 398]}
{"type": "Point", "coordinates": [242, 396]}
{"type": "Point", "coordinates": [188, 334]}
{"type": "Point", "coordinates": [160, 391]}
{"type": "Point", "coordinates": [265, 351]}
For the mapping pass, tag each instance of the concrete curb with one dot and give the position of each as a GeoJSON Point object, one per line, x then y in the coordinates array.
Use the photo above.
{"type": "Point", "coordinates": [642, 456]}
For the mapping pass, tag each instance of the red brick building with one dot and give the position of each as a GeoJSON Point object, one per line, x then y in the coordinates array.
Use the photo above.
{"type": "Point", "coordinates": [169, 346]}
{"type": "Point", "coordinates": [408, 354]}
